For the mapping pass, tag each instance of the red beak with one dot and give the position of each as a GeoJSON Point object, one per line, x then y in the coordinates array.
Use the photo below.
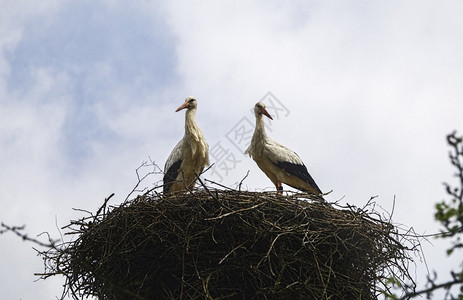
{"type": "Point", "coordinates": [265, 112]}
{"type": "Point", "coordinates": [184, 105]}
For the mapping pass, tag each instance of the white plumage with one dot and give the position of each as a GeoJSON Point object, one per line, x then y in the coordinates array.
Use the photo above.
{"type": "Point", "coordinates": [189, 156]}
{"type": "Point", "coordinates": [280, 164]}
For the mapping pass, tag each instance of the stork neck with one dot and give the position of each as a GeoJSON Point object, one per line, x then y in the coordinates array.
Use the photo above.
{"type": "Point", "coordinates": [260, 127]}
{"type": "Point", "coordinates": [190, 123]}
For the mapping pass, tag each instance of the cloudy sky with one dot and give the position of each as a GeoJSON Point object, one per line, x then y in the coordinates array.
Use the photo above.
{"type": "Point", "coordinates": [363, 91]}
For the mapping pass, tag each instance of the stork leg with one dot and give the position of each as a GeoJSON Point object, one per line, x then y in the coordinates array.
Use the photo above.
{"type": "Point", "coordinates": [191, 186]}
{"type": "Point", "coordinates": [279, 187]}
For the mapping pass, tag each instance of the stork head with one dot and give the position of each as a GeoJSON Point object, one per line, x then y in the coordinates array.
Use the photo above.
{"type": "Point", "coordinates": [260, 110]}
{"type": "Point", "coordinates": [190, 103]}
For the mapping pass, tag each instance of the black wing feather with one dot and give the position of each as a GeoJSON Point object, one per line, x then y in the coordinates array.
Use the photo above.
{"type": "Point", "coordinates": [300, 171]}
{"type": "Point", "coordinates": [171, 176]}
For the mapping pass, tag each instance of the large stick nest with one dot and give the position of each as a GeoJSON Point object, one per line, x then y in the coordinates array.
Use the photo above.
{"type": "Point", "coordinates": [227, 244]}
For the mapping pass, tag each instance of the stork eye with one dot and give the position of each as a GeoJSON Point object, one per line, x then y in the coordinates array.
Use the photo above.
{"type": "Point", "coordinates": [191, 100]}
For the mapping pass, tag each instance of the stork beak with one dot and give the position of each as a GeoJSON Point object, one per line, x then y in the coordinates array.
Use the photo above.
{"type": "Point", "coordinates": [184, 105]}
{"type": "Point", "coordinates": [265, 112]}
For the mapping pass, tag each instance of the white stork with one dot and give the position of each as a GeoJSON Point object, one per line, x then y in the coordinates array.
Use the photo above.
{"type": "Point", "coordinates": [190, 156]}
{"type": "Point", "coordinates": [279, 163]}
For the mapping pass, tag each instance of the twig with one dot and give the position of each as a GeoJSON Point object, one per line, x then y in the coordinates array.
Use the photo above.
{"type": "Point", "coordinates": [434, 287]}
{"type": "Point", "coordinates": [239, 185]}
{"type": "Point", "coordinates": [103, 207]}
{"type": "Point", "coordinates": [204, 186]}
{"type": "Point", "coordinates": [221, 185]}
{"type": "Point", "coordinates": [228, 254]}
{"type": "Point", "coordinates": [17, 230]}
{"type": "Point", "coordinates": [235, 211]}
{"type": "Point", "coordinates": [141, 179]}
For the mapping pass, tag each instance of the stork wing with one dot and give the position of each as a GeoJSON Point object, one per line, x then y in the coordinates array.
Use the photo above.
{"type": "Point", "coordinates": [172, 166]}
{"type": "Point", "coordinates": [289, 161]}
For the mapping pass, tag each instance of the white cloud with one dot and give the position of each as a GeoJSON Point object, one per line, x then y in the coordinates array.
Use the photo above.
{"type": "Point", "coordinates": [30, 129]}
